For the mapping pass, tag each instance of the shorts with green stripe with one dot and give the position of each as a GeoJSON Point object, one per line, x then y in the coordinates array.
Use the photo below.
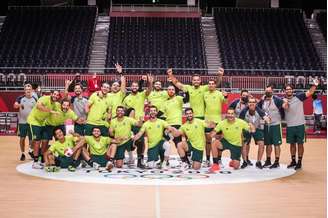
{"type": "Point", "coordinates": [100, 159]}
{"type": "Point", "coordinates": [89, 127]}
{"type": "Point", "coordinates": [64, 162]}
{"type": "Point", "coordinates": [258, 135]}
{"type": "Point", "coordinates": [196, 155]}
{"type": "Point", "coordinates": [156, 151]}
{"type": "Point", "coordinates": [38, 132]}
{"type": "Point", "coordinates": [120, 151]}
{"type": "Point", "coordinates": [272, 135]}
{"type": "Point", "coordinates": [24, 130]}
{"type": "Point", "coordinates": [235, 151]}
{"type": "Point", "coordinates": [295, 134]}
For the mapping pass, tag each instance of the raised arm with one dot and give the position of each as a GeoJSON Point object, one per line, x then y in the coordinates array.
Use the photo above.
{"type": "Point", "coordinates": [311, 91]}
{"type": "Point", "coordinates": [219, 78]}
{"type": "Point", "coordinates": [119, 69]}
{"type": "Point", "coordinates": [150, 80]}
{"type": "Point", "coordinates": [174, 80]}
{"type": "Point", "coordinates": [67, 85]}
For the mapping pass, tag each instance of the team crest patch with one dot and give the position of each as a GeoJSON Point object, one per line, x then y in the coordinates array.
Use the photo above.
{"type": "Point", "coordinates": [170, 176]}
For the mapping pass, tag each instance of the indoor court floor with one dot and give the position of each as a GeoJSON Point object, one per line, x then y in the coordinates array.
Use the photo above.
{"type": "Point", "coordinates": [300, 195]}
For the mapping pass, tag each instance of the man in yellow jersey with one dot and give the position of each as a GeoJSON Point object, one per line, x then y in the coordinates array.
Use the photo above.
{"type": "Point", "coordinates": [44, 107]}
{"type": "Point", "coordinates": [196, 91]}
{"type": "Point", "coordinates": [98, 111]}
{"type": "Point", "coordinates": [213, 100]}
{"type": "Point", "coordinates": [194, 131]}
{"type": "Point", "coordinates": [101, 150]}
{"type": "Point", "coordinates": [121, 127]}
{"type": "Point", "coordinates": [118, 91]}
{"type": "Point", "coordinates": [232, 129]}
{"type": "Point", "coordinates": [173, 111]}
{"type": "Point", "coordinates": [157, 97]}
{"type": "Point", "coordinates": [58, 120]}
{"type": "Point", "coordinates": [135, 103]}
{"type": "Point", "coordinates": [64, 152]}
{"type": "Point", "coordinates": [157, 146]}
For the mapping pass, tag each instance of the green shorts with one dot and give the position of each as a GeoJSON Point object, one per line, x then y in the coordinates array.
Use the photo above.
{"type": "Point", "coordinates": [24, 130]}
{"type": "Point", "coordinates": [63, 161]}
{"type": "Point", "coordinates": [156, 151]}
{"type": "Point", "coordinates": [258, 135]}
{"type": "Point", "coordinates": [89, 127]}
{"type": "Point", "coordinates": [120, 151]}
{"type": "Point", "coordinates": [79, 129]}
{"type": "Point", "coordinates": [38, 132]}
{"type": "Point", "coordinates": [100, 159]}
{"type": "Point", "coordinates": [235, 151]}
{"type": "Point", "coordinates": [272, 135]}
{"type": "Point", "coordinates": [295, 134]}
{"type": "Point", "coordinates": [197, 155]}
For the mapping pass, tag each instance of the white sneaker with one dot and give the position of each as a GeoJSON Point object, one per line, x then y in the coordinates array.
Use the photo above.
{"type": "Point", "coordinates": [151, 164]}
{"type": "Point", "coordinates": [36, 165]}
{"type": "Point", "coordinates": [184, 166]}
{"type": "Point", "coordinates": [164, 165]}
{"type": "Point", "coordinates": [109, 165]}
{"type": "Point", "coordinates": [95, 165]}
{"type": "Point", "coordinates": [131, 159]}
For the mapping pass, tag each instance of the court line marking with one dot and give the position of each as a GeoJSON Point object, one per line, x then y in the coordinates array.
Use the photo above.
{"type": "Point", "coordinates": [157, 202]}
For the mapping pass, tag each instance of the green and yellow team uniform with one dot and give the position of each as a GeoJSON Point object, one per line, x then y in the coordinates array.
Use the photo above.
{"type": "Point", "coordinates": [154, 131]}
{"type": "Point", "coordinates": [173, 110]}
{"type": "Point", "coordinates": [58, 120]}
{"type": "Point", "coordinates": [98, 149]}
{"type": "Point", "coordinates": [37, 118]}
{"type": "Point", "coordinates": [196, 99]}
{"type": "Point", "coordinates": [122, 128]}
{"type": "Point", "coordinates": [232, 136]}
{"type": "Point", "coordinates": [195, 132]}
{"type": "Point", "coordinates": [58, 149]}
{"type": "Point", "coordinates": [97, 116]}
{"type": "Point", "coordinates": [158, 98]}
{"type": "Point", "coordinates": [115, 100]}
{"type": "Point", "coordinates": [213, 105]}
{"type": "Point", "coordinates": [137, 102]}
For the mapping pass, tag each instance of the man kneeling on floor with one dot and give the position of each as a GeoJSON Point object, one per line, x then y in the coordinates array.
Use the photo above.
{"type": "Point", "coordinates": [232, 129]}
{"type": "Point", "coordinates": [64, 152]}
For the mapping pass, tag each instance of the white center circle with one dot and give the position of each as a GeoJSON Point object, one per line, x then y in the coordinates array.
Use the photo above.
{"type": "Point", "coordinates": [170, 176]}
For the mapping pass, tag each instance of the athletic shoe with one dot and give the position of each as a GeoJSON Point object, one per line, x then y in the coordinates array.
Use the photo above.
{"type": "Point", "coordinates": [71, 168]}
{"type": "Point", "coordinates": [83, 164]}
{"type": "Point", "coordinates": [207, 163]}
{"type": "Point", "coordinates": [244, 165]}
{"type": "Point", "coordinates": [141, 165]}
{"type": "Point", "coordinates": [267, 163]}
{"type": "Point", "coordinates": [184, 166]}
{"type": "Point", "coordinates": [164, 165]}
{"type": "Point", "coordinates": [109, 165]}
{"type": "Point", "coordinates": [22, 157]}
{"type": "Point", "coordinates": [49, 169]}
{"type": "Point", "coordinates": [220, 164]}
{"type": "Point", "coordinates": [95, 165]}
{"type": "Point", "coordinates": [275, 165]}
{"type": "Point", "coordinates": [292, 164]}
{"type": "Point", "coordinates": [215, 167]}
{"type": "Point", "coordinates": [298, 166]}
{"type": "Point", "coordinates": [249, 163]}
{"type": "Point", "coordinates": [150, 165]}
{"type": "Point", "coordinates": [37, 165]}
{"type": "Point", "coordinates": [56, 169]}
{"type": "Point", "coordinates": [30, 152]}
{"type": "Point", "coordinates": [259, 165]}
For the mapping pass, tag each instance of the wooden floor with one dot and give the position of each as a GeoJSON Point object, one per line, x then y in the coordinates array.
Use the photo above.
{"type": "Point", "coordinates": [300, 195]}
